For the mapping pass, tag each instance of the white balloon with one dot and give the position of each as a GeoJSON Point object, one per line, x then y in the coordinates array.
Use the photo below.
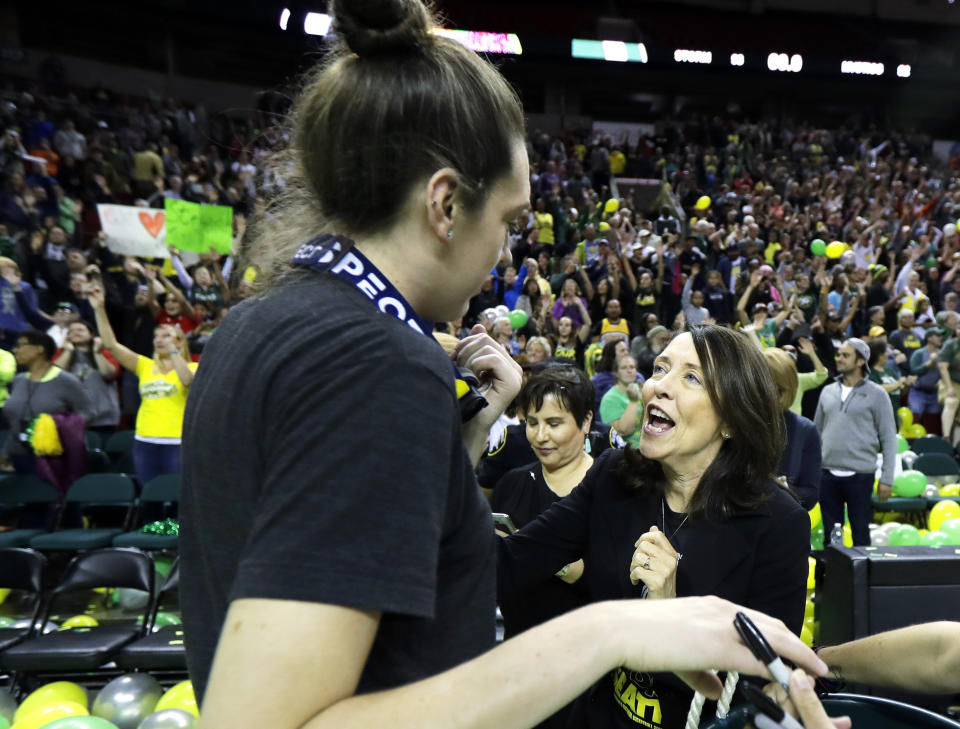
{"type": "Point", "coordinates": [169, 719]}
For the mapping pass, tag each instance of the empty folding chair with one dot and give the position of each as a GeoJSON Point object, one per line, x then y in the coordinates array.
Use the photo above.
{"type": "Point", "coordinates": [162, 648]}
{"type": "Point", "coordinates": [87, 648]}
{"type": "Point", "coordinates": [19, 497]}
{"type": "Point", "coordinates": [92, 490]}
{"type": "Point", "coordinates": [161, 490]}
{"type": "Point", "coordinates": [21, 571]}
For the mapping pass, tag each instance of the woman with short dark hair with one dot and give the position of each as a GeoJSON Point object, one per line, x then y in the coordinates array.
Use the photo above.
{"type": "Point", "coordinates": [701, 486]}
{"type": "Point", "coordinates": [43, 388]}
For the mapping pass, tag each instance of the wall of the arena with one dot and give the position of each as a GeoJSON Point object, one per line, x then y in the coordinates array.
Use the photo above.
{"type": "Point", "coordinates": [87, 73]}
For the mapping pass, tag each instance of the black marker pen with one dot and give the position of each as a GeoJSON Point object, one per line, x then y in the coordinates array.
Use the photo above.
{"type": "Point", "coordinates": [761, 649]}
{"type": "Point", "coordinates": [770, 716]}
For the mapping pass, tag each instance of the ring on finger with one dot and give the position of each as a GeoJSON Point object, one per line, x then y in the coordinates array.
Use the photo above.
{"type": "Point", "coordinates": [646, 565]}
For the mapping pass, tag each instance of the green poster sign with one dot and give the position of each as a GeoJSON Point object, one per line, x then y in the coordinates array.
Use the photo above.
{"type": "Point", "coordinates": [195, 227]}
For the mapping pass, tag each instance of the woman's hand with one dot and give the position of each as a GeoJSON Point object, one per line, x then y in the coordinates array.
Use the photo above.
{"type": "Point", "coordinates": [803, 701]}
{"type": "Point", "coordinates": [655, 564]}
{"type": "Point", "coordinates": [633, 392]}
{"type": "Point", "coordinates": [96, 298]}
{"type": "Point", "coordinates": [500, 377]}
{"type": "Point", "coordinates": [707, 638]}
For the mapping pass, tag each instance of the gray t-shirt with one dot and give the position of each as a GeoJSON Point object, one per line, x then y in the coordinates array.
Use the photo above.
{"type": "Point", "coordinates": [62, 394]}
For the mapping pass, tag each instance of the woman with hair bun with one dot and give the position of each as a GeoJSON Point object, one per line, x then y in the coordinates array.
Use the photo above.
{"type": "Point", "coordinates": [337, 558]}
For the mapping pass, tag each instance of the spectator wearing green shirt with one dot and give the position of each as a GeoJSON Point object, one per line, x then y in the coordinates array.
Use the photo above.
{"type": "Point", "coordinates": [922, 398]}
{"type": "Point", "coordinates": [948, 394]}
{"type": "Point", "coordinates": [621, 408]}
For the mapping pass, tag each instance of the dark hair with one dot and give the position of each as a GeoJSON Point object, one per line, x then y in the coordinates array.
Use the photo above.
{"type": "Point", "coordinates": [569, 385]}
{"type": "Point", "coordinates": [395, 104]}
{"type": "Point", "coordinates": [608, 357]}
{"type": "Point", "coordinates": [89, 327]}
{"type": "Point", "coordinates": [40, 339]}
{"type": "Point", "coordinates": [877, 350]}
{"type": "Point", "coordinates": [741, 390]}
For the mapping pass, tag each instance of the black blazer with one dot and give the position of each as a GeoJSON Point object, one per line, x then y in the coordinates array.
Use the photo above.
{"type": "Point", "coordinates": [757, 559]}
{"type": "Point", "coordinates": [802, 458]}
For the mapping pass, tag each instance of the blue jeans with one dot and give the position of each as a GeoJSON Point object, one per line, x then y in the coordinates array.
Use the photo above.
{"type": "Point", "coordinates": [154, 459]}
{"type": "Point", "coordinates": [856, 491]}
{"type": "Point", "coordinates": [921, 403]}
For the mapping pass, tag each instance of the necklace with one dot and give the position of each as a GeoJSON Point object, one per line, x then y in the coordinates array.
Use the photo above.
{"type": "Point", "coordinates": [663, 520]}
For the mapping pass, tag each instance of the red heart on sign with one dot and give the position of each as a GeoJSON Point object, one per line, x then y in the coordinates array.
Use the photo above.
{"type": "Point", "coordinates": [153, 223]}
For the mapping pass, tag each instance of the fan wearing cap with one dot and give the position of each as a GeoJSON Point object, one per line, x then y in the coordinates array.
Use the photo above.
{"type": "Point", "coordinates": [853, 417]}
{"type": "Point", "coordinates": [63, 316]}
{"type": "Point", "coordinates": [922, 398]}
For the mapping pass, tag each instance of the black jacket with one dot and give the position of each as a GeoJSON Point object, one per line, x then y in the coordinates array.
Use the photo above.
{"type": "Point", "coordinates": [757, 559]}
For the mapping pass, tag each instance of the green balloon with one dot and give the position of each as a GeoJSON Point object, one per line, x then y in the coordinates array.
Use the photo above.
{"type": "Point", "coordinates": [517, 317]}
{"type": "Point", "coordinates": [951, 528]}
{"type": "Point", "coordinates": [6, 622]}
{"type": "Point", "coordinates": [164, 619]}
{"type": "Point", "coordinates": [4, 723]}
{"type": "Point", "coordinates": [816, 537]}
{"type": "Point", "coordinates": [818, 247]}
{"type": "Point", "coordinates": [902, 445]}
{"type": "Point", "coordinates": [905, 535]}
{"type": "Point", "coordinates": [909, 484]}
{"type": "Point", "coordinates": [934, 539]}
{"type": "Point", "coordinates": [80, 722]}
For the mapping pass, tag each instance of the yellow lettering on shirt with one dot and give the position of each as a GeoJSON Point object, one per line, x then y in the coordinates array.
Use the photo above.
{"type": "Point", "coordinates": [641, 706]}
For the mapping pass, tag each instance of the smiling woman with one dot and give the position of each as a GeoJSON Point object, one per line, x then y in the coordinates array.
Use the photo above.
{"type": "Point", "coordinates": [699, 486]}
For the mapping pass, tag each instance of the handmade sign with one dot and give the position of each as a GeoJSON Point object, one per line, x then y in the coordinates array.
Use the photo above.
{"type": "Point", "coordinates": [196, 227]}
{"type": "Point", "coordinates": [134, 231]}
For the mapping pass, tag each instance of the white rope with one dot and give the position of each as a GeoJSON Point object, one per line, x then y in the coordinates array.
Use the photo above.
{"type": "Point", "coordinates": [723, 706]}
{"type": "Point", "coordinates": [696, 707]}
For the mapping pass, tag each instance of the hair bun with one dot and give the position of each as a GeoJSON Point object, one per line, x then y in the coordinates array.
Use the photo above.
{"type": "Point", "coordinates": [381, 27]}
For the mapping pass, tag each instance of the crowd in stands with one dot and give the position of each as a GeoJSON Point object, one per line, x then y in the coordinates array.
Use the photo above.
{"type": "Point", "coordinates": [738, 238]}
{"type": "Point", "coordinates": [63, 154]}
{"type": "Point", "coordinates": [732, 239]}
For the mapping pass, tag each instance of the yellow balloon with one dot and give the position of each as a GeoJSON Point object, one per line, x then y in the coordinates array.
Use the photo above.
{"type": "Point", "coordinates": [847, 536]}
{"type": "Point", "coordinates": [808, 623]}
{"type": "Point", "coordinates": [815, 516]}
{"type": "Point", "coordinates": [42, 717]}
{"type": "Point", "coordinates": [836, 249]}
{"type": "Point", "coordinates": [950, 489]}
{"type": "Point", "coordinates": [4, 591]}
{"type": "Point", "coordinates": [49, 694]}
{"type": "Point", "coordinates": [611, 206]}
{"type": "Point", "coordinates": [806, 635]}
{"type": "Point", "coordinates": [79, 621]}
{"type": "Point", "coordinates": [179, 697]}
{"type": "Point", "coordinates": [906, 417]}
{"type": "Point", "coordinates": [703, 202]}
{"type": "Point", "coordinates": [942, 512]}
{"type": "Point", "coordinates": [808, 610]}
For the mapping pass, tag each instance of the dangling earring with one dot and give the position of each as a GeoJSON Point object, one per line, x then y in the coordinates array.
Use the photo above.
{"type": "Point", "coordinates": [449, 235]}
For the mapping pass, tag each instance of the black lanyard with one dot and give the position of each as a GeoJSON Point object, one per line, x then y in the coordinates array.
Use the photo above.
{"type": "Point", "coordinates": [337, 255]}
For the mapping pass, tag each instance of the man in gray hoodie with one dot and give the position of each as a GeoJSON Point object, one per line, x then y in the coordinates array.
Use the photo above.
{"type": "Point", "coordinates": [856, 422]}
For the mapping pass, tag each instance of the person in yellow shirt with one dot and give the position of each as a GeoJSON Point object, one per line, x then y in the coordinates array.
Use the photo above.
{"type": "Point", "coordinates": [543, 222]}
{"type": "Point", "coordinates": [164, 382]}
{"type": "Point", "coordinates": [618, 162]}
